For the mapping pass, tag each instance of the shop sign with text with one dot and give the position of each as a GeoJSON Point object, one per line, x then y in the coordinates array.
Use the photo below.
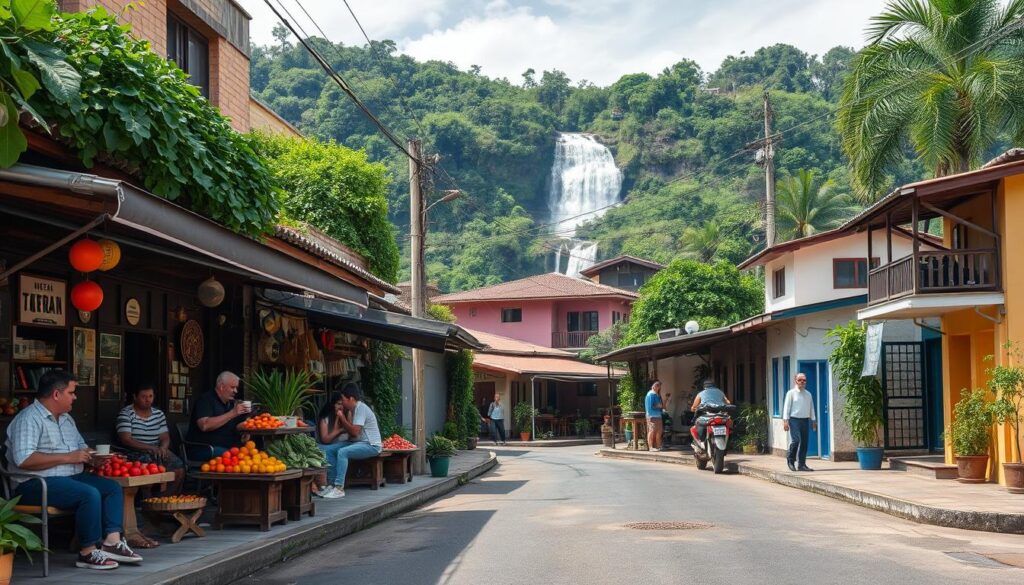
{"type": "Point", "coordinates": [42, 301]}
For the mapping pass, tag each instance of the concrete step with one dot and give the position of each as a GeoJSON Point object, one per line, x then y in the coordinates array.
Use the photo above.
{"type": "Point", "coordinates": [930, 466]}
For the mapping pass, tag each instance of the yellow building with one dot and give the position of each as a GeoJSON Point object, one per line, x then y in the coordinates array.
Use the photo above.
{"type": "Point", "coordinates": [975, 285]}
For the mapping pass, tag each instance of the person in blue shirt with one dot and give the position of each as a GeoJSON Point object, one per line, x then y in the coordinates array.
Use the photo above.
{"type": "Point", "coordinates": [655, 406]}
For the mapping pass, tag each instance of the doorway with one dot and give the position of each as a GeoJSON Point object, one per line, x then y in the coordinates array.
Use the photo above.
{"type": "Point", "coordinates": [142, 353]}
{"type": "Point", "coordinates": [817, 372]}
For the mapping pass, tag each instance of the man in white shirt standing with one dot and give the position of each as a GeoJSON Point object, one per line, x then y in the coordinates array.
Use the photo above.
{"type": "Point", "coordinates": [797, 412]}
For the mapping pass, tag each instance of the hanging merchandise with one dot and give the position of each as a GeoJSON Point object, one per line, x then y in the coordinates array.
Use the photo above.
{"type": "Point", "coordinates": [111, 254]}
{"type": "Point", "coordinates": [211, 293]}
{"type": "Point", "coordinates": [86, 296]}
{"type": "Point", "coordinates": [86, 255]}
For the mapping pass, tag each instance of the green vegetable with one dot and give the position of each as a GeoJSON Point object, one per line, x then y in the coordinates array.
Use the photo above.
{"type": "Point", "coordinates": [298, 452]}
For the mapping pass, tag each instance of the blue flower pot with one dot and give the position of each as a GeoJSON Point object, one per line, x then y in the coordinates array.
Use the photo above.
{"type": "Point", "coordinates": [870, 457]}
{"type": "Point", "coordinates": [439, 466]}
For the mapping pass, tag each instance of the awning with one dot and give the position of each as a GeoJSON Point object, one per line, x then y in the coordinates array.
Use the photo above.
{"type": "Point", "coordinates": [395, 328]}
{"type": "Point", "coordinates": [134, 208]}
{"type": "Point", "coordinates": [543, 367]}
{"type": "Point", "coordinates": [662, 348]}
{"type": "Point", "coordinates": [930, 305]}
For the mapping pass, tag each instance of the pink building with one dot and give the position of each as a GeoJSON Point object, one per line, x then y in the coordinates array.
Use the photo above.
{"type": "Point", "coordinates": [550, 310]}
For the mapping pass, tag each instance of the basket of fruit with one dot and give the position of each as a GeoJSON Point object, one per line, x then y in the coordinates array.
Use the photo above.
{"type": "Point", "coordinates": [174, 503]}
{"type": "Point", "coordinates": [262, 422]}
{"type": "Point", "coordinates": [397, 443]}
{"type": "Point", "coordinates": [245, 459]}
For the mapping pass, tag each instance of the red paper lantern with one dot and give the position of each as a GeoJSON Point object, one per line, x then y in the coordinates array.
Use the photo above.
{"type": "Point", "coordinates": [87, 296]}
{"type": "Point", "coordinates": [86, 255]}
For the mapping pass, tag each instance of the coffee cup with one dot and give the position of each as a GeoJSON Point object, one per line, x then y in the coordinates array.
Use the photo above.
{"type": "Point", "coordinates": [247, 404]}
{"type": "Point", "coordinates": [103, 449]}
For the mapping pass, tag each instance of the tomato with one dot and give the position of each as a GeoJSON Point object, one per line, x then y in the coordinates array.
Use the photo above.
{"type": "Point", "coordinates": [161, 469]}
{"type": "Point", "coordinates": [153, 468]}
{"type": "Point", "coordinates": [135, 472]}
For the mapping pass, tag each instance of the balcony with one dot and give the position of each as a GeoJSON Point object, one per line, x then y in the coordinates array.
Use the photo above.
{"type": "Point", "coordinates": [925, 272]}
{"type": "Point", "coordinates": [567, 339]}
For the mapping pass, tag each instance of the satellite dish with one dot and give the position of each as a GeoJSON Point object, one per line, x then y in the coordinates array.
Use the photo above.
{"type": "Point", "coordinates": [692, 327]}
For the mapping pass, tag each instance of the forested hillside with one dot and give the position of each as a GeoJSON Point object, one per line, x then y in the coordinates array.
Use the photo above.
{"type": "Point", "coordinates": [690, 189]}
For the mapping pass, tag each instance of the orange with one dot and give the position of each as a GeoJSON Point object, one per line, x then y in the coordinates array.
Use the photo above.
{"type": "Point", "coordinates": [220, 468]}
{"type": "Point", "coordinates": [246, 469]}
{"type": "Point", "coordinates": [205, 468]}
{"type": "Point", "coordinates": [250, 445]}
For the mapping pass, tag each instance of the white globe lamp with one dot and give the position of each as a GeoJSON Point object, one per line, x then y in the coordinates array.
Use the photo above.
{"type": "Point", "coordinates": [691, 327]}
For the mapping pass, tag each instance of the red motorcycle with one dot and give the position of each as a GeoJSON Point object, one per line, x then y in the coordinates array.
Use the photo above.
{"type": "Point", "coordinates": [711, 431]}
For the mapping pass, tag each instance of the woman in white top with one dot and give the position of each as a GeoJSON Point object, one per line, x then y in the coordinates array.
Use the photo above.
{"type": "Point", "coordinates": [497, 415]}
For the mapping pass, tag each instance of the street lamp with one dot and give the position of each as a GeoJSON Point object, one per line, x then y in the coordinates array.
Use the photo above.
{"type": "Point", "coordinates": [449, 195]}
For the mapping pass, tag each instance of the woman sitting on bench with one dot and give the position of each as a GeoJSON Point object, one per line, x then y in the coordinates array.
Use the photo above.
{"type": "Point", "coordinates": [345, 413]}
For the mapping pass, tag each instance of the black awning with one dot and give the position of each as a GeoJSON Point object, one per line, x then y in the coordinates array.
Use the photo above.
{"type": "Point", "coordinates": [693, 343]}
{"type": "Point", "coordinates": [396, 328]}
{"type": "Point", "coordinates": [139, 210]}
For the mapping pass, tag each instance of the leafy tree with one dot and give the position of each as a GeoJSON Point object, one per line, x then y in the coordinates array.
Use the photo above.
{"type": "Point", "coordinates": [780, 66]}
{"type": "Point", "coordinates": [947, 76]}
{"type": "Point", "coordinates": [829, 73]}
{"type": "Point", "coordinates": [701, 243]}
{"type": "Point", "coordinates": [805, 206]}
{"type": "Point", "coordinates": [712, 294]}
{"type": "Point", "coordinates": [553, 90]}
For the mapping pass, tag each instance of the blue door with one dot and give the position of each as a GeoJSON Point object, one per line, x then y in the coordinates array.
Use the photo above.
{"type": "Point", "coordinates": [817, 372]}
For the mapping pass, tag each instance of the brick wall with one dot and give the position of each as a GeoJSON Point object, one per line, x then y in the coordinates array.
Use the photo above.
{"type": "Point", "coordinates": [229, 82]}
{"type": "Point", "coordinates": [263, 118]}
{"type": "Point", "coordinates": [149, 21]}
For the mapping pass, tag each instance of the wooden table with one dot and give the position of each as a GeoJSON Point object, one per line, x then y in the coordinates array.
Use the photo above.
{"type": "Point", "coordinates": [279, 431]}
{"type": "Point", "coordinates": [639, 428]}
{"type": "Point", "coordinates": [249, 498]}
{"type": "Point", "coordinates": [130, 486]}
{"type": "Point", "coordinates": [398, 467]}
{"type": "Point", "coordinates": [185, 514]}
{"type": "Point", "coordinates": [298, 495]}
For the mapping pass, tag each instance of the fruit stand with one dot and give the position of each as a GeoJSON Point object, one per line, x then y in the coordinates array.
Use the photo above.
{"type": "Point", "coordinates": [131, 475]}
{"type": "Point", "coordinates": [398, 464]}
{"type": "Point", "coordinates": [249, 498]}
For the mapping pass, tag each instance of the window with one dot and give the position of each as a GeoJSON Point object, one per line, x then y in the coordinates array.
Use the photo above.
{"type": "Point", "coordinates": [586, 389]}
{"type": "Point", "coordinates": [581, 321]}
{"type": "Point", "coordinates": [511, 315]}
{"type": "Point", "coordinates": [779, 283]}
{"type": "Point", "coordinates": [190, 51]}
{"type": "Point", "coordinates": [776, 404]}
{"type": "Point", "coordinates": [616, 317]}
{"type": "Point", "coordinates": [851, 272]}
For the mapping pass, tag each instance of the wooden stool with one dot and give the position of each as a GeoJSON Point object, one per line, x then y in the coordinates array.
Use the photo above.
{"type": "Point", "coordinates": [366, 472]}
{"type": "Point", "coordinates": [186, 514]}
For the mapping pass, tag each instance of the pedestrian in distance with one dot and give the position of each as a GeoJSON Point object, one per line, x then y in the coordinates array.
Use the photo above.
{"type": "Point", "coordinates": [496, 414]}
{"type": "Point", "coordinates": [797, 415]}
{"type": "Point", "coordinates": [655, 406]}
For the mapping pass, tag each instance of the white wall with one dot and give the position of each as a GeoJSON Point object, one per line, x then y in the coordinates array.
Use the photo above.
{"type": "Point", "coordinates": [436, 390]}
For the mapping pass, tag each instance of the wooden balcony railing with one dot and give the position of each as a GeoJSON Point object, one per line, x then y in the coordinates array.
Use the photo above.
{"type": "Point", "coordinates": [935, 272]}
{"type": "Point", "coordinates": [562, 339]}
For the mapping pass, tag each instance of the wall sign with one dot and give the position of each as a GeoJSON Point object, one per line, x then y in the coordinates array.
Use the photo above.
{"type": "Point", "coordinates": [132, 311]}
{"type": "Point", "coordinates": [191, 344]}
{"type": "Point", "coordinates": [43, 301]}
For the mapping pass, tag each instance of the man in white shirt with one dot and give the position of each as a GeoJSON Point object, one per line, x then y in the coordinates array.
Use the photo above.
{"type": "Point", "coordinates": [797, 412]}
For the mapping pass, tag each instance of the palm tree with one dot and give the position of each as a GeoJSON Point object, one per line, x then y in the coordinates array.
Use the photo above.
{"type": "Point", "coordinates": [945, 75]}
{"type": "Point", "coordinates": [701, 243]}
{"type": "Point", "coordinates": [804, 206]}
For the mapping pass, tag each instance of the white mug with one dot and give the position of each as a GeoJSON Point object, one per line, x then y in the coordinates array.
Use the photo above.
{"type": "Point", "coordinates": [247, 404]}
{"type": "Point", "coordinates": [103, 449]}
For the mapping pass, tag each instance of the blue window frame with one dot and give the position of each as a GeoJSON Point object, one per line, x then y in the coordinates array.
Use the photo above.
{"type": "Point", "coordinates": [776, 406]}
{"type": "Point", "coordinates": [784, 386]}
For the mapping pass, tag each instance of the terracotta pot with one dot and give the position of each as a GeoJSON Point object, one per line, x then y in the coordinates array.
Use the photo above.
{"type": "Point", "coordinates": [750, 449]}
{"type": "Point", "coordinates": [1014, 474]}
{"type": "Point", "coordinates": [6, 566]}
{"type": "Point", "coordinates": [971, 468]}
{"type": "Point", "coordinates": [524, 436]}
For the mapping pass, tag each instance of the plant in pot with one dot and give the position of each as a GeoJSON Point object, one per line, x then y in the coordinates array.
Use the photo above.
{"type": "Point", "coordinates": [581, 425]}
{"type": "Point", "coordinates": [440, 450]}
{"type": "Point", "coordinates": [14, 536]}
{"type": "Point", "coordinates": [629, 432]}
{"type": "Point", "coordinates": [755, 423]}
{"type": "Point", "coordinates": [1007, 383]}
{"type": "Point", "coordinates": [471, 419]}
{"type": "Point", "coordinates": [970, 434]}
{"type": "Point", "coordinates": [282, 393]}
{"type": "Point", "coordinates": [524, 414]}
{"type": "Point", "coordinates": [864, 407]}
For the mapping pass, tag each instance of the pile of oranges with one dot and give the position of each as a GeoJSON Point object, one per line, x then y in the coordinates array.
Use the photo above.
{"type": "Point", "coordinates": [245, 459]}
{"type": "Point", "coordinates": [261, 422]}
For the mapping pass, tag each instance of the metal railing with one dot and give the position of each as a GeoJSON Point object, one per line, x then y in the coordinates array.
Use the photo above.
{"type": "Point", "coordinates": [934, 272]}
{"type": "Point", "coordinates": [561, 339]}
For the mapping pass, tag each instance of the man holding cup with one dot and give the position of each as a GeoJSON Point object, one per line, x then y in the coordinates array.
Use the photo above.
{"type": "Point", "coordinates": [43, 441]}
{"type": "Point", "coordinates": [216, 418]}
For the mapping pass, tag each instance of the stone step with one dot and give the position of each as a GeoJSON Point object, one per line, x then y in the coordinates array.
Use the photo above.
{"type": "Point", "coordinates": [933, 467]}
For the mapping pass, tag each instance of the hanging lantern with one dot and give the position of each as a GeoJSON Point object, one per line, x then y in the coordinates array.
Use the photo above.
{"type": "Point", "coordinates": [111, 254]}
{"type": "Point", "coordinates": [87, 296]}
{"type": "Point", "coordinates": [211, 293]}
{"type": "Point", "coordinates": [86, 255]}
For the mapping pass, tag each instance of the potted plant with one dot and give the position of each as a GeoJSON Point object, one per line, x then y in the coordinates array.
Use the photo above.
{"type": "Point", "coordinates": [1007, 382]}
{"type": "Point", "coordinates": [864, 407]}
{"type": "Point", "coordinates": [581, 425]}
{"type": "Point", "coordinates": [524, 414]}
{"type": "Point", "coordinates": [471, 418]}
{"type": "Point", "coordinates": [14, 536]}
{"type": "Point", "coordinates": [439, 452]}
{"type": "Point", "coordinates": [755, 424]}
{"type": "Point", "coordinates": [282, 394]}
{"type": "Point", "coordinates": [970, 434]}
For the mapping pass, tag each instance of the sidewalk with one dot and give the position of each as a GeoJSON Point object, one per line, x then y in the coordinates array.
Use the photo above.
{"type": "Point", "coordinates": [985, 507]}
{"type": "Point", "coordinates": [223, 556]}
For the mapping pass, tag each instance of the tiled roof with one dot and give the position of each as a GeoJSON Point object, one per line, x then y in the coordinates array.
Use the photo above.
{"type": "Point", "coordinates": [327, 248]}
{"type": "Point", "coordinates": [550, 366]}
{"type": "Point", "coordinates": [592, 270]}
{"type": "Point", "coordinates": [543, 286]}
{"type": "Point", "coordinates": [507, 345]}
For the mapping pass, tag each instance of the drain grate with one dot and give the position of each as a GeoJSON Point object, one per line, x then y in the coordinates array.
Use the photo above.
{"type": "Point", "coordinates": [667, 525]}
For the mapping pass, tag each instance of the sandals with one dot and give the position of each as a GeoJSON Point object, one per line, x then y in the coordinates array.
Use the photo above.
{"type": "Point", "coordinates": [145, 542]}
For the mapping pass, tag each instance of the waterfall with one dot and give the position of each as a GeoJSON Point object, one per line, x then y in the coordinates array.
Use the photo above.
{"type": "Point", "coordinates": [584, 183]}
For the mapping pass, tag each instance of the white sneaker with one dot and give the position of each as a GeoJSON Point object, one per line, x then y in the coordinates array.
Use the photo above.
{"type": "Point", "coordinates": [655, 449]}
{"type": "Point", "coordinates": [332, 493]}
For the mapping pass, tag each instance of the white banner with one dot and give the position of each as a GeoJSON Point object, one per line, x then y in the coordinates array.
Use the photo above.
{"type": "Point", "coordinates": [872, 350]}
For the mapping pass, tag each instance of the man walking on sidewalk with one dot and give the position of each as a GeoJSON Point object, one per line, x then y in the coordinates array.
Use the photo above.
{"type": "Point", "coordinates": [797, 412]}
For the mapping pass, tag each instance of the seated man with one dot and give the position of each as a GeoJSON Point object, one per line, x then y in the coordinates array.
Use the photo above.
{"type": "Point", "coordinates": [710, 395]}
{"type": "Point", "coordinates": [355, 418]}
{"type": "Point", "coordinates": [216, 418]}
{"type": "Point", "coordinates": [43, 440]}
{"type": "Point", "coordinates": [143, 430]}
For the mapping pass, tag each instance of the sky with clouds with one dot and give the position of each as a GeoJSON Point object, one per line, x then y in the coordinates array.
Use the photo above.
{"type": "Point", "coordinates": [596, 40]}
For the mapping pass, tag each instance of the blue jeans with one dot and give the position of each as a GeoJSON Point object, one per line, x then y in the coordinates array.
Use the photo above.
{"type": "Point", "coordinates": [799, 435]}
{"type": "Point", "coordinates": [498, 429]}
{"type": "Point", "coordinates": [203, 454]}
{"type": "Point", "coordinates": [338, 455]}
{"type": "Point", "coordinates": [97, 501]}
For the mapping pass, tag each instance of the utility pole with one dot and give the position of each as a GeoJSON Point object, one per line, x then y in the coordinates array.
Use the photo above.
{"type": "Point", "coordinates": [769, 175]}
{"type": "Point", "coordinates": [418, 308]}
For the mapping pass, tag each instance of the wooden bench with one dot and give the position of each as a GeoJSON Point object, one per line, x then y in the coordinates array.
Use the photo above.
{"type": "Point", "coordinates": [366, 472]}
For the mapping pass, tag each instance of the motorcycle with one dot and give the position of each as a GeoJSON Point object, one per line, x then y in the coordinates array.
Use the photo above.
{"type": "Point", "coordinates": [711, 431]}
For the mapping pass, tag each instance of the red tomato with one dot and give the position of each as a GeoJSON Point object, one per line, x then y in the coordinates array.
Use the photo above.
{"type": "Point", "coordinates": [234, 450]}
{"type": "Point", "coordinates": [153, 468]}
{"type": "Point", "coordinates": [135, 471]}
{"type": "Point", "coordinates": [161, 469]}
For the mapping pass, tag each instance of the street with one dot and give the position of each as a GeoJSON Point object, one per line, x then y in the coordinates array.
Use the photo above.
{"type": "Point", "coordinates": [559, 515]}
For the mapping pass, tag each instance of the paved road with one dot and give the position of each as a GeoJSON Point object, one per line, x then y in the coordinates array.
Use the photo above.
{"type": "Point", "coordinates": [557, 515]}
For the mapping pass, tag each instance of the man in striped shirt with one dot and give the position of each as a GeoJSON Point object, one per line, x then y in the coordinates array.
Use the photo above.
{"type": "Point", "coordinates": [143, 429]}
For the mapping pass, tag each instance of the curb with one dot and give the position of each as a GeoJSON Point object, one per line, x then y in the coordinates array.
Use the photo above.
{"type": "Point", "coordinates": [556, 443]}
{"type": "Point", "coordinates": [730, 466]}
{"type": "Point", "coordinates": [244, 560]}
{"type": "Point", "coordinates": [921, 513]}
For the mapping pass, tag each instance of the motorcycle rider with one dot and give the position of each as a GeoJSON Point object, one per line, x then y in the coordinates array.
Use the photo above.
{"type": "Point", "coordinates": [712, 395]}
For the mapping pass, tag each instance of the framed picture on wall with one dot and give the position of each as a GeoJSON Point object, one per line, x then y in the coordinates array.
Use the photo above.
{"type": "Point", "coordinates": [110, 380]}
{"type": "Point", "coordinates": [84, 356]}
{"type": "Point", "coordinates": [110, 346]}
{"type": "Point", "coordinates": [176, 406]}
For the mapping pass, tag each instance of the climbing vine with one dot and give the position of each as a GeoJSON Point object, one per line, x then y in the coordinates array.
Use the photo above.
{"type": "Point", "coordinates": [463, 414]}
{"type": "Point", "coordinates": [383, 385]}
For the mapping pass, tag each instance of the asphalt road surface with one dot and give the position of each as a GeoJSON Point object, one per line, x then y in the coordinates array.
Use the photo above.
{"type": "Point", "coordinates": [560, 515]}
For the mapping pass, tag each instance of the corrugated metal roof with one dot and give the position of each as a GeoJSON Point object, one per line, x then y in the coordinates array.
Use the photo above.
{"type": "Point", "coordinates": [543, 286]}
{"type": "Point", "coordinates": [542, 365]}
{"type": "Point", "coordinates": [323, 246]}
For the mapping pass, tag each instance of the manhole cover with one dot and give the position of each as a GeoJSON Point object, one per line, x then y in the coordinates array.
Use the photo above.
{"type": "Point", "coordinates": [667, 525]}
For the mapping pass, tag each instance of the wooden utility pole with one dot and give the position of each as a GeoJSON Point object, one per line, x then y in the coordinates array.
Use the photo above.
{"type": "Point", "coordinates": [769, 175]}
{"type": "Point", "coordinates": [418, 308]}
